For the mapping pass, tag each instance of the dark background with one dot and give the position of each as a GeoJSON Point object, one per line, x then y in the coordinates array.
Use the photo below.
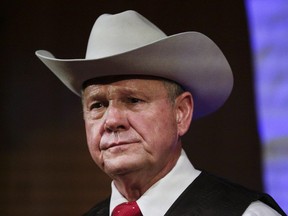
{"type": "Point", "coordinates": [45, 166]}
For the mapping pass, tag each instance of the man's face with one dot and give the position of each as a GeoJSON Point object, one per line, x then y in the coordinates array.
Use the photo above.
{"type": "Point", "coordinates": [131, 126]}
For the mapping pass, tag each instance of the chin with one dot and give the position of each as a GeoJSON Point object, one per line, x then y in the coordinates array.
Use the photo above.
{"type": "Point", "coordinates": [121, 168]}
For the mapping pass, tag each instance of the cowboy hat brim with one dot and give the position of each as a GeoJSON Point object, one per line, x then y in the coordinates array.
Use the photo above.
{"type": "Point", "coordinates": [190, 59]}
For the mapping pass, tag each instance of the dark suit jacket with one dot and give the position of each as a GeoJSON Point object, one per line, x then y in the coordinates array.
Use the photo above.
{"type": "Point", "coordinates": [206, 195]}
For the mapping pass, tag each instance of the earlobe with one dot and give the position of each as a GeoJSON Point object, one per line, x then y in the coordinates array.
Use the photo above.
{"type": "Point", "coordinates": [184, 112]}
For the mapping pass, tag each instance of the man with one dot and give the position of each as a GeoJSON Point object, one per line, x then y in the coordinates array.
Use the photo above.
{"type": "Point", "coordinates": [140, 89]}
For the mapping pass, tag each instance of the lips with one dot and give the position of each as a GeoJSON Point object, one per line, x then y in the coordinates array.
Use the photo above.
{"type": "Point", "coordinates": [106, 146]}
{"type": "Point", "coordinates": [117, 139]}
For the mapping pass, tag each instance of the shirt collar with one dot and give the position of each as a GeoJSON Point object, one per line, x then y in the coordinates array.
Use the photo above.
{"type": "Point", "coordinates": [174, 183]}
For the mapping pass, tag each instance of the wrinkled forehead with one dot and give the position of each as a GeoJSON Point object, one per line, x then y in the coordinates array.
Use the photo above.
{"type": "Point", "coordinates": [124, 85]}
{"type": "Point", "coordinates": [111, 79]}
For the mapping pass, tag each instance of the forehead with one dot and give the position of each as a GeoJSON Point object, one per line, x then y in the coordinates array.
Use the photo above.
{"type": "Point", "coordinates": [124, 84]}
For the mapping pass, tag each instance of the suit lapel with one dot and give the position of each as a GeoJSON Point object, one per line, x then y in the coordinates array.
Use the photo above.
{"type": "Point", "coordinates": [101, 209]}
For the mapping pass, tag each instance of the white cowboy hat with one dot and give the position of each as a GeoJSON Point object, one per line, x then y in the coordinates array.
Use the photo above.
{"type": "Point", "coordinates": [129, 44]}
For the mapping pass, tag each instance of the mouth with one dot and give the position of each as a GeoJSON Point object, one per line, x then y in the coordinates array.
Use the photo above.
{"type": "Point", "coordinates": [114, 145]}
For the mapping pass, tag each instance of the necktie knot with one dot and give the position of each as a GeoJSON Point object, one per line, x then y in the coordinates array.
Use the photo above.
{"type": "Point", "coordinates": [127, 209]}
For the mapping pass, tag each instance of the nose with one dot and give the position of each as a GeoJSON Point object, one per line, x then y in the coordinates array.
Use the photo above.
{"type": "Point", "coordinates": [115, 119]}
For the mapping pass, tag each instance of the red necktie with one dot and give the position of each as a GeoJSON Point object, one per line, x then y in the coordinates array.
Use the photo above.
{"type": "Point", "coordinates": [127, 209]}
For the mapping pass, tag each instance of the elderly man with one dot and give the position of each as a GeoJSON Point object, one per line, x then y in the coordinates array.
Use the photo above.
{"type": "Point", "coordinates": [140, 89]}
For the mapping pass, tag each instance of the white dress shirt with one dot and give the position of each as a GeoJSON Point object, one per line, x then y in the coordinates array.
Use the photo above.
{"type": "Point", "coordinates": [152, 202]}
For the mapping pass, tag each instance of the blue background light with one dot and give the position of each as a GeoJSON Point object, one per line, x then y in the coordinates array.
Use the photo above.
{"type": "Point", "coordinates": [268, 22]}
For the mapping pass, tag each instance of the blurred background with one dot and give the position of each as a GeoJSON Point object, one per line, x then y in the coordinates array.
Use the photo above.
{"type": "Point", "coordinates": [268, 24]}
{"type": "Point", "coordinates": [45, 165]}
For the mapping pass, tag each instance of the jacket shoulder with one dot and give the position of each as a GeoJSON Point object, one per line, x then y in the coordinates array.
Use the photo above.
{"type": "Point", "coordinates": [211, 195]}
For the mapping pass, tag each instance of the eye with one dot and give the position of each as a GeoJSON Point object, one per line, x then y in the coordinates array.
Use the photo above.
{"type": "Point", "coordinates": [96, 105]}
{"type": "Point", "coordinates": [134, 100]}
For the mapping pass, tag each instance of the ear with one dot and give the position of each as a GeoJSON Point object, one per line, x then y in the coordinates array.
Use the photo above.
{"type": "Point", "coordinates": [184, 112]}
